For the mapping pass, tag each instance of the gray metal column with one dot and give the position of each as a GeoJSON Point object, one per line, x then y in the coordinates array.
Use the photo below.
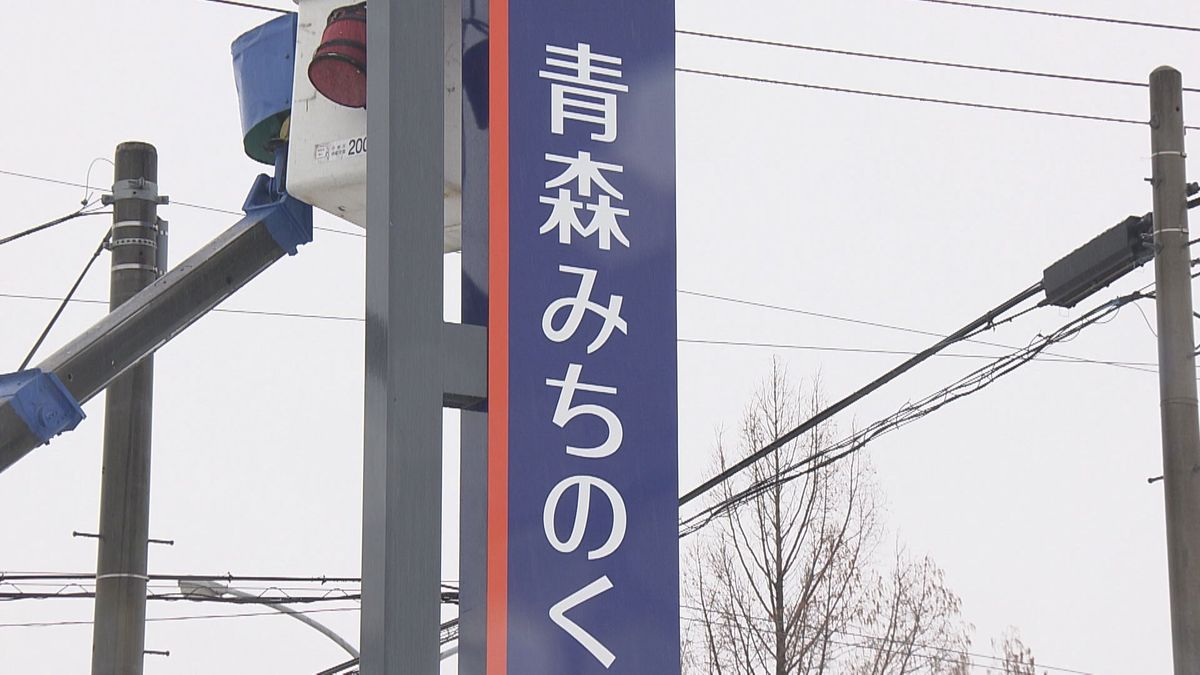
{"type": "Point", "coordinates": [473, 487]}
{"type": "Point", "coordinates": [1176, 365]}
{"type": "Point", "coordinates": [119, 632]}
{"type": "Point", "coordinates": [404, 379]}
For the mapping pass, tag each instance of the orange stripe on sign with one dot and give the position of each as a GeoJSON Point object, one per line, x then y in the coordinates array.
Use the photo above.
{"type": "Point", "coordinates": [497, 567]}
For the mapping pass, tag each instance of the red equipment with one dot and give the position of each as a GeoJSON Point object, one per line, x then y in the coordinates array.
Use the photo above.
{"type": "Point", "coordinates": [339, 67]}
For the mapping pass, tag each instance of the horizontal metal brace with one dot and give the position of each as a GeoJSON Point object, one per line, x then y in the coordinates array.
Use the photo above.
{"type": "Point", "coordinates": [464, 365]}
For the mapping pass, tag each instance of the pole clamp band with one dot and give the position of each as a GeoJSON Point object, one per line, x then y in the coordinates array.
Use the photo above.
{"type": "Point", "coordinates": [135, 188]}
{"type": "Point", "coordinates": [133, 241]}
{"type": "Point", "coordinates": [135, 266]}
{"type": "Point", "coordinates": [122, 575]}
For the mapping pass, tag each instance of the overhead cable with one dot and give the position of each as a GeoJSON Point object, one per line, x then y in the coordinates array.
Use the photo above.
{"type": "Point", "coordinates": [1064, 15]}
{"type": "Point", "coordinates": [197, 596]}
{"type": "Point", "coordinates": [49, 224]}
{"type": "Point", "coordinates": [983, 322]}
{"type": "Point", "coordinates": [63, 305]}
{"type": "Point", "coordinates": [190, 617]}
{"type": "Point", "coordinates": [174, 202]}
{"type": "Point", "coordinates": [227, 578]}
{"type": "Point", "coordinates": [1049, 357]}
{"type": "Point", "coordinates": [1046, 356]}
{"type": "Point", "coordinates": [250, 5]}
{"type": "Point", "coordinates": [1140, 366]}
{"type": "Point", "coordinates": [917, 99]}
{"type": "Point", "coordinates": [910, 412]}
{"type": "Point", "coordinates": [917, 61]}
{"type": "Point", "coordinates": [735, 620]}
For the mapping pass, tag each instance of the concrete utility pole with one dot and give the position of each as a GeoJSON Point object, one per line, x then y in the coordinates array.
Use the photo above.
{"type": "Point", "coordinates": [119, 633]}
{"type": "Point", "coordinates": [1176, 365]}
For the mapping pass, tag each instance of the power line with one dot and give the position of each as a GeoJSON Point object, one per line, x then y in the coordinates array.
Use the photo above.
{"type": "Point", "coordinates": [983, 322]}
{"type": "Point", "coordinates": [732, 621]}
{"type": "Point", "coordinates": [911, 412]}
{"type": "Point", "coordinates": [67, 592]}
{"type": "Point", "coordinates": [1143, 366]}
{"type": "Point", "coordinates": [49, 224]}
{"type": "Point", "coordinates": [88, 584]}
{"type": "Point", "coordinates": [63, 305]}
{"type": "Point", "coordinates": [1050, 357]}
{"type": "Point", "coordinates": [901, 59]}
{"type": "Point", "coordinates": [971, 383]}
{"type": "Point", "coordinates": [174, 202]}
{"type": "Point", "coordinates": [924, 62]}
{"type": "Point", "coordinates": [250, 5]}
{"type": "Point", "coordinates": [228, 578]}
{"type": "Point", "coordinates": [917, 99]}
{"type": "Point", "coordinates": [354, 319]}
{"type": "Point", "coordinates": [965, 657]}
{"type": "Point", "coordinates": [189, 617]}
{"type": "Point", "coordinates": [699, 341]}
{"type": "Point", "coordinates": [223, 310]}
{"type": "Point", "coordinates": [448, 633]}
{"type": "Point", "coordinates": [192, 597]}
{"type": "Point", "coordinates": [1063, 15]}
{"type": "Point", "coordinates": [903, 329]}
{"type": "Point", "coordinates": [87, 177]}
{"type": "Point", "coordinates": [65, 581]}
{"type": "Point", "coordinates": [214, 209]}
{"type": "Point", "coordinates": [1040, 666]}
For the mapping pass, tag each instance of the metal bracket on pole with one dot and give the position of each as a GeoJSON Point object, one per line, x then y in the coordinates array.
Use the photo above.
{"type": "Point", "coordinates": [135, 188]}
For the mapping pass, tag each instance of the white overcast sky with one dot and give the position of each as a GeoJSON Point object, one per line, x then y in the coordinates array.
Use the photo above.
{"type": "Point", "coordinates": [1032, 495]}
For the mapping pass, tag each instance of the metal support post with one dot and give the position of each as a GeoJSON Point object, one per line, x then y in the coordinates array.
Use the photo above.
{"type": "Point", "coordinates": [1176, 365]}
{"type": "Point", "coordinates": [119, 632]}
{"type": "Point", "coordinates": [402, 456]}
{"type": "Point", "coordinates": [473, 471]}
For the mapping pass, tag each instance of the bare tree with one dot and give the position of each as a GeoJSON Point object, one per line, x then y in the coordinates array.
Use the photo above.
{"type": "Point", "coordinates": [783, 584]}
{"type": "Point", "coordinates": [913, 623]}
{"type": "Point", "coordinates": [1015, 657]}
{"type": "Point", "coordinates": [781, 575]}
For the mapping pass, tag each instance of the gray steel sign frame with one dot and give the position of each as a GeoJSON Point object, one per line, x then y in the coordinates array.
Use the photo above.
{"type": "Point", "coordinates": [415, 362]}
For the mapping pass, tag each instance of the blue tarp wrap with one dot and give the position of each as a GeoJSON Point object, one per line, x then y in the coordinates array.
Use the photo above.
{"type": "Point", "coordinates": [288, 219]}
{"type": "Point", "coordinates": [42, 402]}
{"type": "Point", "coordinates": [263, 63]}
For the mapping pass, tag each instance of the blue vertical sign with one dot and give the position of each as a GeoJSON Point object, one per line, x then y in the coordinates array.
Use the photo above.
{"type": "Point", "coordinates": [583, 568]}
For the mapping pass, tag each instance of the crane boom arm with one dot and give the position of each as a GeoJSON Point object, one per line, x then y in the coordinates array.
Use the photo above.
{"type": "Point", "coordinates": [40, 403]}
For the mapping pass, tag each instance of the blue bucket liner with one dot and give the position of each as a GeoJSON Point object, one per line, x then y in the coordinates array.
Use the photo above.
{"type": "Point", "coordinates": [263, 64]}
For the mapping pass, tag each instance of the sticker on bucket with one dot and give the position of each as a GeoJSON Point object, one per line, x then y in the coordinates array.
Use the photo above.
{"type": "Point", "coordinates": [334, 150]}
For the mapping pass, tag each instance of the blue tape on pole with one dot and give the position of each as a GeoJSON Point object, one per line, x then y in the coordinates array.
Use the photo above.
{"type": "Point", "coordinates": [263, 64]}
{"type": "Point", "coordinates": [289, 220]}
{"type": "Point", "coordinates": [41, 401]}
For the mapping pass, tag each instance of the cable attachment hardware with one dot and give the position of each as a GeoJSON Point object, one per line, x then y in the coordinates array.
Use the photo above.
{"type": "Point", "coordinates": [135, 188]}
